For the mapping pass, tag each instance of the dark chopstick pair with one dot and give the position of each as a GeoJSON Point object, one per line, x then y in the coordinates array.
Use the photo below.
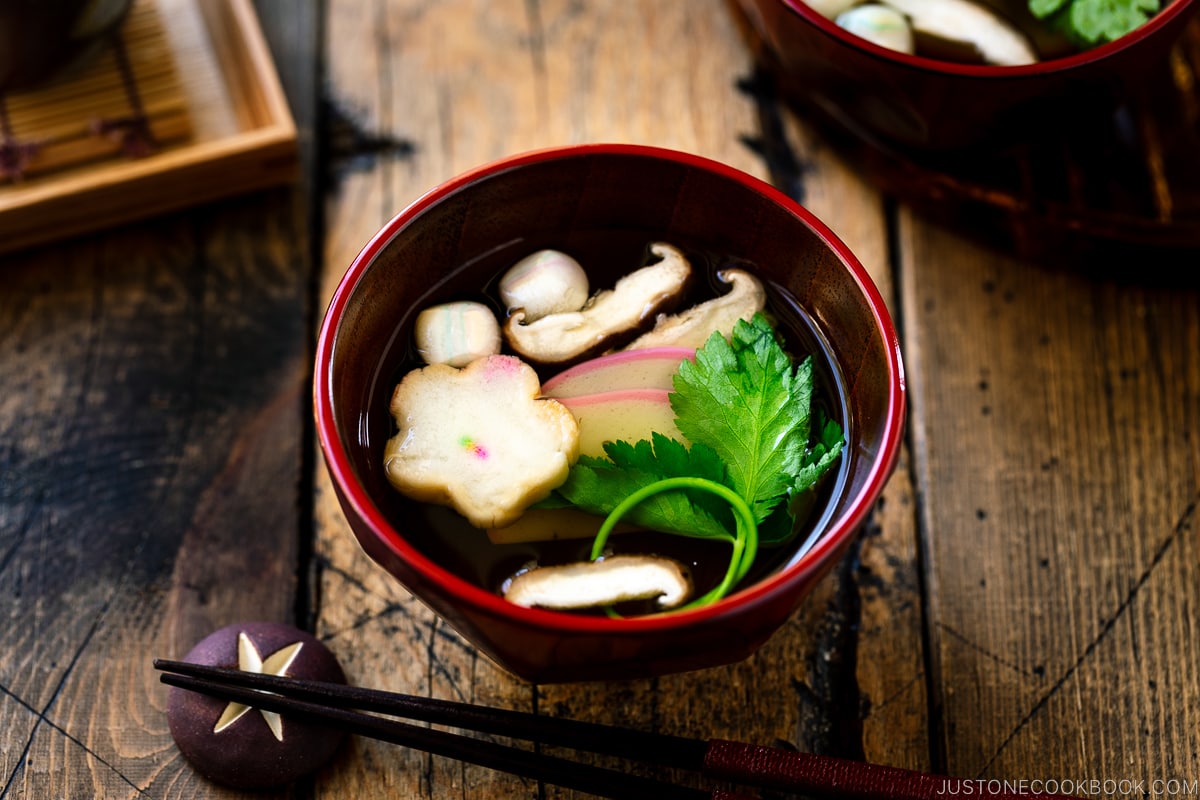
{"type": "Point", "coordinates": [735, 762]}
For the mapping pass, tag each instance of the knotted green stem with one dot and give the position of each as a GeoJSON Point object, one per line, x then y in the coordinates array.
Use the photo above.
{"type": "Point", "coordinates": [745, 541]}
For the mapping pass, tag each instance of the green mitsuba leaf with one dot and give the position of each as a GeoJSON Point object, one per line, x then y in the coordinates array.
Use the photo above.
{"type": "Point", "coordinates": [746, 412]}
{"type": "Point", "coordinates": [1093, 22]}
{"type": "Point", "coordinates": [1098, 21]}
{"type": "Point", "coordinates": [597, 485]}
{"type": "Point", "coordinates": [743, 399]}
{"type": "Point", "coordinates": [1044, 8]}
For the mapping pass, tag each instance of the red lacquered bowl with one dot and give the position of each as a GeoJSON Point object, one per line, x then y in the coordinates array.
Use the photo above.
{"type": "Point", "coordinates": [891, 98]}
{"type": "Point", "coordinates": [604, 202]}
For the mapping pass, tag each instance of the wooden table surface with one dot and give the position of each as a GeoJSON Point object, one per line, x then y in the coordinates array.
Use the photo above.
{"type": "Point", "coordinates": [1022, 605]}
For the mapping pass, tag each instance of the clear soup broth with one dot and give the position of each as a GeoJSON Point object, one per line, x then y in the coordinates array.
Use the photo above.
{"type": "Point", "coordinates": [450, 541]}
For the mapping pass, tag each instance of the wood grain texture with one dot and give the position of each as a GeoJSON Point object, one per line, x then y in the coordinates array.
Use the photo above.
{"type": "Point", "coordinates": [158, 478]}
{"type": "Point", "coordinates": [1055, 410]}
{"type": "Point", "coordinates": [151, 453]}
{"type": "Point", "coordinates": [881, 580]}
{"type": "Point", "coordinates": [140, 450]}
{"type": "Point", "coordinates": [436, 88]}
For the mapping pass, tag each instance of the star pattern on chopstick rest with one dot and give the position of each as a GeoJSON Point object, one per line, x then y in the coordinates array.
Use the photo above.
{"type": "Point", "coordinates": [249, 660]}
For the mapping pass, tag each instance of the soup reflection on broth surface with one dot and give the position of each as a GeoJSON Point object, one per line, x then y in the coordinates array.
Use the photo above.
{"type": "Point", "coordinates": [446, 537]}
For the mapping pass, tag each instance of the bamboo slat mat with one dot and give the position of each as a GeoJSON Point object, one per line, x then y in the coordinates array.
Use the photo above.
{"type": "Point", "coordinates": [79, 118]}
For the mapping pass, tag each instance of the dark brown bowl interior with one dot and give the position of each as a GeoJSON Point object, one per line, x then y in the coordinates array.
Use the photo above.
{"type": "Point", "coordinates": [603, 205]}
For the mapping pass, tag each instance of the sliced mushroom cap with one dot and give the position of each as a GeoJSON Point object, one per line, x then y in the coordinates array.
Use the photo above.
{"type": "Point", "coordinates": [606, 582]}
{"type": "Point", "coordinates": [997, 40]}
{"type": "Point", "coordinates": [607, 317]}
{"type": "Point", "coordinates": [691, 328]}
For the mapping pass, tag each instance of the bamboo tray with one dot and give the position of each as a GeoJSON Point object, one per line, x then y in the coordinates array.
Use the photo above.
{"type": "Point", "coordinates": [213, 103]}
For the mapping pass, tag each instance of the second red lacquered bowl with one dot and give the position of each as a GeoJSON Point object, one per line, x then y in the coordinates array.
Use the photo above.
{"type": "Point", "coordinates": [894, 99]}
{"type": "Point", "coordinates": [602, 203]}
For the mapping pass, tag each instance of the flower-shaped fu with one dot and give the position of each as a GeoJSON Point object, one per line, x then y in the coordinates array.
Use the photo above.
{"type": "Point", "coordinates": [480, 439]}
{"type": "Point", "coordinates": [249, 660]}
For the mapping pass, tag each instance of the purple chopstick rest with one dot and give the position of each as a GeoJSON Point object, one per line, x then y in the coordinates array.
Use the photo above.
{"type": "Point", "coordinates": [236, 745]}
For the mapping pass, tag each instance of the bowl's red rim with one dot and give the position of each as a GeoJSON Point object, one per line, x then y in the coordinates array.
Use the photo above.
{"type": "Point", "coordinates": [984, 71]}
{"type": "Point", "coordinates": [479, 599]}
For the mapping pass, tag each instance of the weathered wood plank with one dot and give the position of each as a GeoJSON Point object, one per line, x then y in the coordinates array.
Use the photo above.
{"type": "Point", "coordinates": [1055, 411]}
{"type": "Point", "coordinates": [165, 447]}
{"type": "Point", "coordinates": [151, 453]}
{"type": "Point", "coordinates": [438, 88]}
{"type": "Point", "coordinates": [880, 582]}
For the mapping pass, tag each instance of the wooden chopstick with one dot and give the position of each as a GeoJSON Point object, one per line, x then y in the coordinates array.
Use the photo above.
{"type": "Point", "coordinates": [654, 748]}
{"type": "Point", "coordinates": [336, 704]}
{"type": "Point", "coordinates": [738, 762]}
